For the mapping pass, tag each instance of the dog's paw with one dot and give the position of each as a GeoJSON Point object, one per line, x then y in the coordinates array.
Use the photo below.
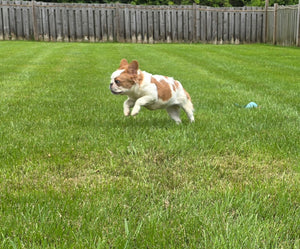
{"type": "Point", "coordinates": [135, 111]}
{"type": "Point", "coordinates": [127, 113]}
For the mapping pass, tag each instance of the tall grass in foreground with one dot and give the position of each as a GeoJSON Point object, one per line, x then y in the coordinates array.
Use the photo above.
{"type": "Point", "coordinates": [75, 173]}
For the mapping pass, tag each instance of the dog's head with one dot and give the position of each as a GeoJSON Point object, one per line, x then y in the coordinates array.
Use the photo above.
{"type": "Point", "coordinates": [125, 77]}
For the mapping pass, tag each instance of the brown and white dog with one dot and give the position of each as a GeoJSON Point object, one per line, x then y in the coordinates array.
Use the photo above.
{"type": "Point", "coordinates": [150, 91]}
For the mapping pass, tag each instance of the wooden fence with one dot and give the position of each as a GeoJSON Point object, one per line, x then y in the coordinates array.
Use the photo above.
{"type": "Point", "coordinates": [148, 24]}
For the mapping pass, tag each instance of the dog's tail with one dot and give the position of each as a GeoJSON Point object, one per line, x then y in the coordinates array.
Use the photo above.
{"type": "Point", "coordinates": [189, 100]}
{"type": "Point", "coordinates": [188, 107]}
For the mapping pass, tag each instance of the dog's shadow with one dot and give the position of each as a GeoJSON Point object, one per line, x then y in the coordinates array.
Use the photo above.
{"type": "Point", "coordinates": [145, 121]}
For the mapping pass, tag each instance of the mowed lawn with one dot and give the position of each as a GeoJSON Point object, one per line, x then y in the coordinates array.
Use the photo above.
{"type": "Point", "coordinates": [76, 173]}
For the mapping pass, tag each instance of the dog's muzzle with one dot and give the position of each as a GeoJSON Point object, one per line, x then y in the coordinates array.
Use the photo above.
{"type": "Point", "coordinates": [112, 90]}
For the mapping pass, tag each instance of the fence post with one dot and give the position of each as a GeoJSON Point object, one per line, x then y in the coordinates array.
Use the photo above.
{"type": "Point", "coordinates": [266, 21]}
{"type": "Point", "coordinates": [275, 24]}
{"type": "Point", "coordinates": [298, 26]}
{"type": "Point", "coordinates": [118, 21]}
{"type": "Point", "coordinates": [195, 22]}
{"type": "Point", "coordinates": [34, 17]}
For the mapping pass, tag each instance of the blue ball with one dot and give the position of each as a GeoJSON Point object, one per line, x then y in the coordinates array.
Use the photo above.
{"type": "Point", "coordinates": [251, 105]}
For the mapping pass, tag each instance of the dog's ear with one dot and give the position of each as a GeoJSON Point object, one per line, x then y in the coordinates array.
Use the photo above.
{"type": "Point", "coordinates": [123, 64]}
{"type": "Point", "coordinates": [133, 67]}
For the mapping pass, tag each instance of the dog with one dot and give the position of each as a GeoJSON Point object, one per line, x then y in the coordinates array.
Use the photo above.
{"type": "Point", "coordinates": [151, 91]}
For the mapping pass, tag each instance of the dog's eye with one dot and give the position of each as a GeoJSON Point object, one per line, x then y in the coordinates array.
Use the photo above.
{"type": "Point", "coordinates": [117, 82]}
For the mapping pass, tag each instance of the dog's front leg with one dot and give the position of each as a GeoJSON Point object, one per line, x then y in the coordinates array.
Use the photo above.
{"type": "Point", "coordinates": [127, 105]}
{"type": "Point", "coordinates": [141, 102]}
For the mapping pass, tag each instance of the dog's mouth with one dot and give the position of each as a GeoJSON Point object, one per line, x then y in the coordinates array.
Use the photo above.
{"type": "Point", "coordinates": [116, 93]}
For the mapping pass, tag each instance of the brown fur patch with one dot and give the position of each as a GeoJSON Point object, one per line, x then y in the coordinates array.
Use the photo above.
{"type": "Point", "coordinates": [139, 78]}
{"type": "Point", "coordinates": [126, 80]}
{"type": "Point", "coordinates": [123, 64]}
{"type": "Point", "coordinates": [163, 89]}
{"type": "Point", "coordinates": [187, 95]}
{"type": "Point", "coordinates": [175, 85]}
{"type": "Point", "coordinates": [130, 76]}
{"type": "Point", "coordinates": [133, 68]}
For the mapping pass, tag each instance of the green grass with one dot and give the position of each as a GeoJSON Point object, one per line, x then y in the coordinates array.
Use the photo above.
{"type": "Point", "coordinates": [75, 173]}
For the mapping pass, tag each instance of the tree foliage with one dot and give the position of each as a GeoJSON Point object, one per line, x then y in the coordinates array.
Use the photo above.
{"type": "Point", "coordinates": [213, 3]}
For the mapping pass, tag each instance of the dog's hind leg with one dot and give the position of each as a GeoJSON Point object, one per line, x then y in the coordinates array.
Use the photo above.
{"type": "Point", "coordinates": [189, 110]}
{"type": "Point", "coordinates": [174, 112]}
